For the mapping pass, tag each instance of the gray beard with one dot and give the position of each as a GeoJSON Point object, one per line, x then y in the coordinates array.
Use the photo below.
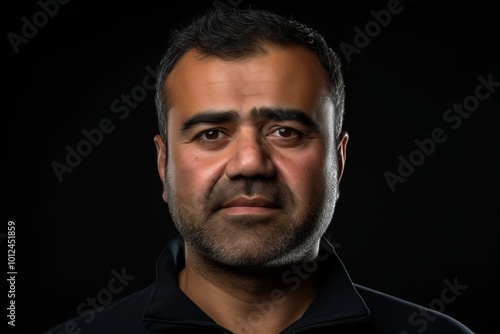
{"type": "Point", "coordinates": [290, 238]}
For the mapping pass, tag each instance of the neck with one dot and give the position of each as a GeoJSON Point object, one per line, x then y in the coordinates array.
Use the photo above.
{"type": "Point", "coordinates": [252, 301]}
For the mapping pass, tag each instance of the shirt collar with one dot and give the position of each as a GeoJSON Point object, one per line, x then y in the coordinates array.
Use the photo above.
{"type": "Point", "coordinates": [337, 299]}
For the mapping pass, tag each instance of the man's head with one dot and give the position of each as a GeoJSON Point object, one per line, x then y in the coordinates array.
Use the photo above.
{"type": "Point", "coordinates": [250, 108]}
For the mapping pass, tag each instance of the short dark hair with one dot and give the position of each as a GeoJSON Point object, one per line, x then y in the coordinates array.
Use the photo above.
{"type": "Point", "coordinates": [232, 35]}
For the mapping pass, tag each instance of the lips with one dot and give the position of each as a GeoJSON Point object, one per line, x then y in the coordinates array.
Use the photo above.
{"type": "Point", "coordinates": [256, 202]}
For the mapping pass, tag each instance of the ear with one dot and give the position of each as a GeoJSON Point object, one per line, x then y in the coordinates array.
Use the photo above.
{"type": "Point", "coordinates": [341, 151]}
{"type": "Point", "coordinates": [161, 159]}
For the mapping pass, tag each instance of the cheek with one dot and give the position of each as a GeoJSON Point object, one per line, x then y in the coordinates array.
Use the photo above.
{"type": "Point", "coordinates": [304, 175]}
{"type": "Point", "coordinates": [191, 174]}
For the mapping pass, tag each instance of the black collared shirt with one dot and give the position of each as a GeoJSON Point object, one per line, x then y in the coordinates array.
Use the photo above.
{"type": "Point", "coordinates": [339, 307]}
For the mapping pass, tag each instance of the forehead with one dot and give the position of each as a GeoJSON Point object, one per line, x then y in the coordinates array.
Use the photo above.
{"type": "Point", "coordinates": [289, 77]}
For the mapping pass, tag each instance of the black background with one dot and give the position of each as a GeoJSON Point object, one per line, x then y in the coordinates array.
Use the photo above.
{"type": "Point", "coordinates": [440, 224]}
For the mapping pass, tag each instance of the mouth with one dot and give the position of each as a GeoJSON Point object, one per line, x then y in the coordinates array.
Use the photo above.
{"type": "Point", "coordinates": [249, 205]}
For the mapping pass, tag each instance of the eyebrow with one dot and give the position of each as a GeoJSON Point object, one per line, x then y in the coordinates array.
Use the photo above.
{"type": "Point", "coordinates": [283, 114]}
{"type": "Point", "coordinates": [263, 113]}
{"type": "Point", "coordinates": [210, 117]}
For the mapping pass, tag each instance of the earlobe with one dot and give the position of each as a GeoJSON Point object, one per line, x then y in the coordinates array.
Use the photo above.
{"type": "Point", "coordinates": [341, 151]}
{"type": "Point", "coordinates": [161, 159]}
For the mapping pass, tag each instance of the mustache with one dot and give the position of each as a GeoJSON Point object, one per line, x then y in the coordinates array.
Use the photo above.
{"type": "Point", "coordinates": [224, 191]}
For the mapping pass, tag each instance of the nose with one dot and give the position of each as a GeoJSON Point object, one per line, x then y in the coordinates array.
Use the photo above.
{"type": "Point", "coordinates": [250, 157]}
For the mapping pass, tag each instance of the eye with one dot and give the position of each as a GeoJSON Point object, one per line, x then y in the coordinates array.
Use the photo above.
{"type": "Point", "coordinates": [211, 134]}
{"type": "Point", "coordinates": [286, 132]}
{"type": "Point", "coordinates": [212, 139]}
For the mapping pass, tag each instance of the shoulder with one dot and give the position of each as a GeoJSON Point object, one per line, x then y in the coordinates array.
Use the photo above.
{"type": "Point", "coordinates": [121, 316]}
{"type": "Point", "coordinates": [395, 315]}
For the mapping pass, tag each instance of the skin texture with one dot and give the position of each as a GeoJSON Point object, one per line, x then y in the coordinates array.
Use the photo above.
{"type": "Point", "coordinates": [251, 177]}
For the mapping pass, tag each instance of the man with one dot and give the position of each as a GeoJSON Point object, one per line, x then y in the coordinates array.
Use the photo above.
{"type": "Point", "coordinates": [250, 151]}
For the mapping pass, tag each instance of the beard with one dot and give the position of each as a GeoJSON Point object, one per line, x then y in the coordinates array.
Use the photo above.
{"type": "Point", "coordinates": [290, 234]}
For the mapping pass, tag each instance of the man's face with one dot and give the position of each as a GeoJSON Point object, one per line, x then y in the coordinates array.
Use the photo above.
{"type": "Point", "coordinates": [251, 170]}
